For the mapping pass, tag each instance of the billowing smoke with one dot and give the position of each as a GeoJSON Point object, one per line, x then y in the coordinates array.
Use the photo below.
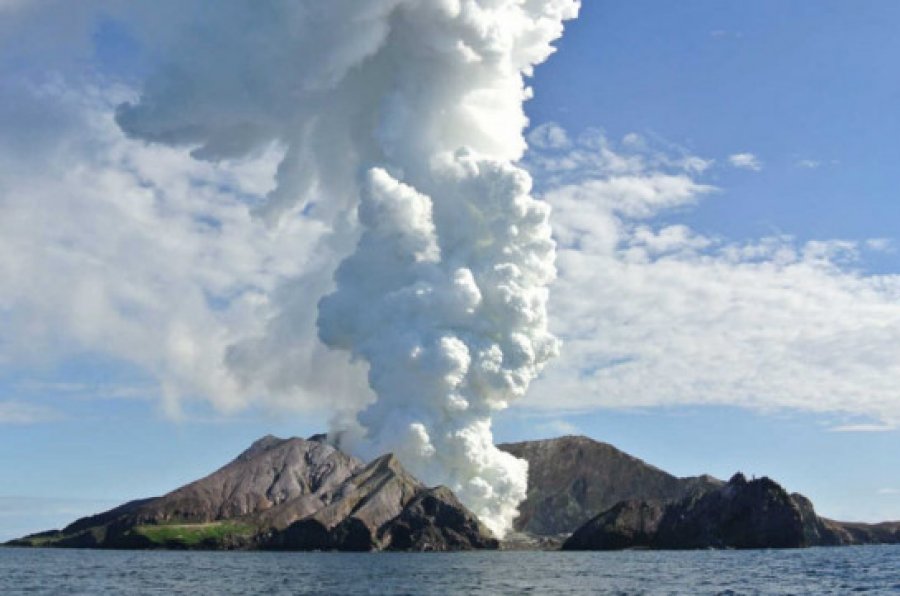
{"type": "Point", "coordinates": [400, 122]}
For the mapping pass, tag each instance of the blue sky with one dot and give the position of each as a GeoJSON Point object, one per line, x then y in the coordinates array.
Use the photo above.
{"type": "Point", "coordinates": [786, 81]}
{"type": "Point", "coordinates": [791, 106]}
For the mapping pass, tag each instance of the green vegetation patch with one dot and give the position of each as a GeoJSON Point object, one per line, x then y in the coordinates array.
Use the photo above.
{"type": "Point", "coordinates": [38, 540]}
{"type": "Point", "coordinates": [194, 534]}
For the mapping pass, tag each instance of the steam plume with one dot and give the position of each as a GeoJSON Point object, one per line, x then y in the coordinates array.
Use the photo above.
{"type": "Point", "coordinates": [409, 114]}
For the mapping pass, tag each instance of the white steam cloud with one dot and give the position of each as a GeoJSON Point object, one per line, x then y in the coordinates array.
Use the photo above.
{"type": "Point", "coordinates": [400, 121]}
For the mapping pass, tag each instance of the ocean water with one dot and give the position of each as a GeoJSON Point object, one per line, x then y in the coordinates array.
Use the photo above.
{"type": "Point", "coordinates": [869, 569]}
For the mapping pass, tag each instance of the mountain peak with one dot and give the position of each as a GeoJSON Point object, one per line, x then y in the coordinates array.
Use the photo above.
{"type": "Point", "coordinates": [261, 445]}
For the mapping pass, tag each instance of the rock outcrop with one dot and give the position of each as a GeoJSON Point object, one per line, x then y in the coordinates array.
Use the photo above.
{"type": "Point", "coordinates": [741, 514]}
{"type": "Point", "coordinates": [860, 533]}
{"type": "Point", "coordinates": [436, 521]}
{"type": "Point", "coordinates": [385, 508]}
{"type": "Point", "coordinates": [628, 524]}
{"type": "Point", "coordinates": [571, 479]}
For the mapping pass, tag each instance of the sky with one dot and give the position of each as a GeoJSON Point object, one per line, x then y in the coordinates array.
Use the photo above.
{"type": "Point", "coordinates": [728, 270]}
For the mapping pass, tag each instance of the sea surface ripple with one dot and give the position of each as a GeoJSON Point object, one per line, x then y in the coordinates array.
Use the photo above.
{"type": "Point", "coordinates": [870, 569]}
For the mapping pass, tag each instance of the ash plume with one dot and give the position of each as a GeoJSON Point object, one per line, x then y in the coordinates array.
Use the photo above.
{"type": "Point", "coordinates": [401, 122]}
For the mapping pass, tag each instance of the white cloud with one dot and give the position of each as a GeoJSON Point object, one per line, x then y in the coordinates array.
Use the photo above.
{"type": "Point", "coordinates": [110, 245]}
{"type": "Point", "coordinates": [141, 253]}
{"type": "Point", "coordinates": [809, 164]}
{"type": "Point", "coordinates": [745, 161]}
{"type": "Point", "coordinates": [864, 428]}
{"type": "Point", "coordinates": [556, 428]}
{"type": "Point", "coordinates": [889, 491]}
{"type": "Point", "coordinates": [21, 413]}
{"type": "Point", "coordinates": [593, 155]}
{"type": "Point", "coordinates": [549, 136]}
{"type": "Point", "coordinates": [657, 314]}
{"type": "Point", "coordinates": [880, 245]}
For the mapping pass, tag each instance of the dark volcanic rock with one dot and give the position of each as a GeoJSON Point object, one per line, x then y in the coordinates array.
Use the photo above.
{"type": "Point", "coordinates": [629, 524]}
{"type": "Point", "coordinates": [571, 479]}
{"type": "Point", "coordinates": [741, 514]}
{"type": "Point", "coordinates": [436, 521]}
{"type": "Point", "coordinates": [859, 533]}
{"type": "Point", "coordinates": [819, 531]}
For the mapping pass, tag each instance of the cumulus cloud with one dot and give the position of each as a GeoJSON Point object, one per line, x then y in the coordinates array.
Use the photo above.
{"type": "Point", "coordinates": [745, 161]}
{"type": "Point", "coordinates": [653, 313]}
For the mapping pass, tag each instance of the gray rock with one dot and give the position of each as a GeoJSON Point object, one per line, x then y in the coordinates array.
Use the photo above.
{"type": "Point", "coordinates": [571, 479]}
{"type": "Point", "coordinates": [272, 472]}
{"type": "Point", "coordinates": [385, 508]}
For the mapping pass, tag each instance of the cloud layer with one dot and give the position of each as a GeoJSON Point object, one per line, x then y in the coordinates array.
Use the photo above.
{"type": "Point", "coordinates": [655, 314]}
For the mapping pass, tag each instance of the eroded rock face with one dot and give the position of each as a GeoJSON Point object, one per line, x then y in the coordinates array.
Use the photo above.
{"type": "Point", "coordinates": [742, 514]}
{"type": "Point", "coordinates": [571, 479]}
{"type": "Point", "coordinates": [435, 520]}
{"type": "Point", "coordinates": [385, 508]}
{"type": "Point", "coordinates": [271, 473]}
{"type": "Point", "coordinates": [361, 506]}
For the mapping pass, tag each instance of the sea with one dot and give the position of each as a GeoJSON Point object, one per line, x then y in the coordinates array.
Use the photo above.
{"type": "Point", "coordinates": [848, 570]}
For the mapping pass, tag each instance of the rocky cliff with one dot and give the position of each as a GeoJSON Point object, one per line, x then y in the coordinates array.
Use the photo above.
{"type": "Point", "coordinates": [571, 479]}
{"type": "Point", "coordinates": [741, 514]}
{"type": "Point", "coordinates": [384, 508]}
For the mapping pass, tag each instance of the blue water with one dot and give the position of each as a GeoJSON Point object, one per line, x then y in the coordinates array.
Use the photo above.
{"type": "Point", "coordinates": [871, 569]}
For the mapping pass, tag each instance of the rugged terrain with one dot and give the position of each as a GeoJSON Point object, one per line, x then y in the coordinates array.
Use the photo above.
{"type": "Point", "coordinates": [304, 494]}
{"type": "Point", "coordinates": [741, 514]}
{"type": "Point", "coordinates": [287, 494]}
{"type": "Point", "coordinates": [571, 479]}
